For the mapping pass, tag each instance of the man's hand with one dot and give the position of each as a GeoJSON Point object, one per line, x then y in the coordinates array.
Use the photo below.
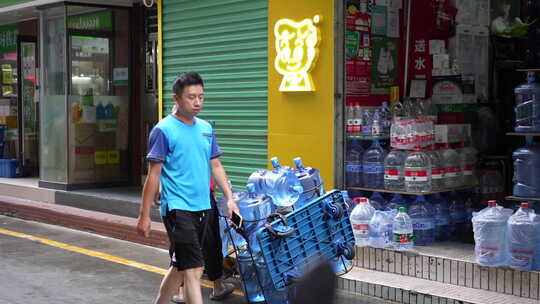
{"type": "Point", "coordinates": [144, 225]}
{"type": "Point", "coordinates": [231, 206]}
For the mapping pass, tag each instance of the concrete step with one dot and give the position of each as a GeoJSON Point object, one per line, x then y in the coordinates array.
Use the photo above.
{"type": "Point", "coordinates": [450, 263]}
{"type": "Point", "coordinates": [26, 188]}
{"type": "Point", "coordinates": [401, 289]}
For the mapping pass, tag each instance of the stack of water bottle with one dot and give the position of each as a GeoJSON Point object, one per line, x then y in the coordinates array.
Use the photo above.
{"type": "Point", "coordinates": [368, 123]}
{"type": "Point", "coordinates": [401, 224]}
{"type": "Point", "coordinates": [505, 239]}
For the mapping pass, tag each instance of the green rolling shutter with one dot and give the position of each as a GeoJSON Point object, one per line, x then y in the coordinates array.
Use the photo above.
{"type": "Point", "coordinates": [226, 42]}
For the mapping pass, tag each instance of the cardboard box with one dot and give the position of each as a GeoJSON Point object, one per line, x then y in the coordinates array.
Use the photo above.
{"type": "Point", "coordinates": [452, 133]}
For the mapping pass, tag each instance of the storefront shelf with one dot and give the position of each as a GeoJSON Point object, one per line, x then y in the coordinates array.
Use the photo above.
{"type": "Point", "coordinates": [411, 193]}
{"type": "Point", "coordinates": [522, 134]}
{"type": "Point", "coordinates": [518, 198]}
{"type": "Point", "coordinates": [368, 138]}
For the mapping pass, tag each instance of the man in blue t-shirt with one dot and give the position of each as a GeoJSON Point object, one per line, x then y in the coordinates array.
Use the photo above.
{"type": "Point", "coordinates": [183, 154]}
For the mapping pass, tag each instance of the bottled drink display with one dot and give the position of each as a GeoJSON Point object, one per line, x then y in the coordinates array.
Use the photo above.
{"type": "Point", "coordinates": [394, 177]}
{"type": "Point", "coordinates": [377, 201]}
{"type": "Point", "coordinates": [417, 169]}
{"type": "Point", "coordinates": [353, 165]}
{"type": "Point", "coordinates": [528, 105]}
{"type": "Point", "coordinates": [402, 231]}
{"type": "Point", "coordinates": [442, 218]}
{"type": "Point", "coordinates": [458, 215]}
{"type": "Point", "coordinates": [527, 170]}
{"type": "Point", "coordinates": [373, 166]}
{"type": "Point", "coordinates": [360, 217]}
{"type": "Point", "coordinates": [437, 182]}
{"type": "Point", "coordinates": [380, 229]}
{"type": "Point", "coordinates": [421, 213]}
{"type": "Point", "coordinates": [522, 238]}
{"type": "Point", "coordinates": [468, 164]}
{"type": "Point", "coordinates": [311, 181]}
{"type": "Point", "coordinates": [490, 236]}
{"type": "Point", "coordinates": [396, 202]}
{"type": "Point", "coordinates": [451, 163]}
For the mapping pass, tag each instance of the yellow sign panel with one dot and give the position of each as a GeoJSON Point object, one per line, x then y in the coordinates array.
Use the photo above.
{"type": "Point", "coordinates": [113, 157]}
{"type": "Point", "coordinates": [100, 157]}
{"type": "Point", "coordinates": [297, 51]}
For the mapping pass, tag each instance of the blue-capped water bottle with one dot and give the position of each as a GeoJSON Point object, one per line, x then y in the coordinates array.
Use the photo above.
{"type": "Point", "coordinates": [311, 181]}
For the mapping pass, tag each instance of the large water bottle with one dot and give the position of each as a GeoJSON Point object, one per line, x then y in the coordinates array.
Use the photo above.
{"type": "Point", "coordinates": [396, 202]}
{"type": "Point", "coordinates": [377, 201]}
{"type": "Point", "coordinates": [386, 115]}
{"type": "Point", "coordinates": [353, 165]}
{"type": "Point", "coordinates": [522, 238]}
{"type": "Point", "coordinates": [373, 166]}
{"type": "Point", "coordinates": [228, 236]}
{"type": "Point", "coordinates": [358, 121]}
{"type": "Point", "coordinates": [442, 217]}
{"type": "Point", "coordinates": [452, 167]}
{"type": "Point", "coordinates": [458, 214]}
{"type": "Point", "coordinates": [367, 123]}
{"type": "Point", "coordinates": [490, 236]}
{"type": "Point", "coordinates": [528, 105]}
{"type": "Point", "coordinates": [417, 171]}
{"type": "Point", "coordinates": [402, 231]}
{"type": "Point", "coordinates": [254, 208]}
{"type": "Point", "coordinates": [422, 216]}
{"type": "Point", "coordinates": [394, 176]}
{"type": "Point", "coordinates": [527, 170]}
{"type": "Point", "coordinates": [251, 285]}
{"type": "Point", "coordinates": [377, 127]}
{"type": "Point", "coordinates": [282, 185]}
{"type": "Point", "coordinates": [468, 164]}
{"type": "Point", "coordinates": [437, 182]}
{"type": "Point", "coordinates": [311, 181]}
{"type": "Point", "coordinates": [360, 217]}
{"type": "Point", "coordinates": [380, 228]}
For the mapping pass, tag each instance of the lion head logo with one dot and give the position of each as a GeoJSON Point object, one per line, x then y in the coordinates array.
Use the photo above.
{"type": "Point", "coordinates": [296, 47]}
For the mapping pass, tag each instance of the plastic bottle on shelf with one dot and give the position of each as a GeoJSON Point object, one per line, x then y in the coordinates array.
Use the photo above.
{"type": "Point", "coordinates": [522, 238]}
{"type": "Point", "coordinates": [377, 127]}
{"type": "Point", "coordinates": [349, 125]}
{"type": "Point", "coordinates": [468, 164]}
{"type": "Point", "coordinates": [436, 168]}
{"type": "Point", "coordinates": [490, 226]}
{"type": "Point", "coordinates": [528, 105]}
{"type": "Point", "coordinates": [367, 123]}
{"type": "Point", "coordinates": [386, 114]}
{"type": "Point", "coordinates": [360, 217]}
{"type": "Point", "coordinates": [452, 167]}
{"type": "Point", "coordinates": [527, 170]}
{"type": "Point", "coordinates": [417, 169]}
{"type": "Point", "coordinates": [402, 231]}
{"type": "Point", "coordinates": [377, 201]}
{"type": "Point", "coordinates": [357, 126]}
{"type": "Point", "coordinates": [396, 202]}
{"type": "Point", "coordinates": [373, 166]}
{"type": "Point", "coordinates": [394, 176]}
{"type": "Point", "coordinates": [442, 217]}
{"type": "Point", "coordinates": [458, 215]}
{"type": "Point", "coordinates": [353, 165]}
{"type": "Point", "coordinates": [311, 181]}
{"type": "Point", "coordinates": [380, 229]}
{"type": "Point", "coordinates": [421, 213]}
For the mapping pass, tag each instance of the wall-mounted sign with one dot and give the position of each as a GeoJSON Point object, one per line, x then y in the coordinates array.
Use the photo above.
{"type": "Point", "coordinates": [297, 51]}
{"type": "Point", "coordinates": [96, 21]}
{"type": "Point", "coordinates": [8, 38]}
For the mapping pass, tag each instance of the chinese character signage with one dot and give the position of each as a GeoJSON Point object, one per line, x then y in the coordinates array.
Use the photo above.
{"type": "Point", "coordinates": [97, 21]}
{"type": "Point", "coordinates": [8, 38]}
{"type": "Point", "coordinates": [296, 53]}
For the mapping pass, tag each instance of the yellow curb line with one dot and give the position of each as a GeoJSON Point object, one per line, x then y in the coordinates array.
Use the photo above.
{"type": "Point", "coordinates": [100, 255]}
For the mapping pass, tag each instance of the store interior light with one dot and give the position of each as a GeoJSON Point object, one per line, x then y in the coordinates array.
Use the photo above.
{"type": "Point", "coordinates": [296, 53]}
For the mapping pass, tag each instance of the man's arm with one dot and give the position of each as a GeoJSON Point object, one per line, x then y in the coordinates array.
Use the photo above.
{"type": "Point", "coordinates": [150, 190]}
{"type": "Point", "coordinates": [221, 179]}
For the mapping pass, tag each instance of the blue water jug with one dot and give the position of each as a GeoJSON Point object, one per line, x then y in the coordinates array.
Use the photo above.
{"type": "Point", "coordinates": [458, 215]}
{"type": "Point", "coordinates": [246, 265]}
{"type": "Point", "coordinates": [442, 217]}
{"type": "Point", "coordinates": [109, 112]}
{"type": "Point", "coordinates": [377, 201]}
{"type": "Point", "coordinates": [282, 185]}
{"type": "Point", "coordinates": [100, 111]}
{"type": "Point", "coordinates": [522, 238]}
{"type": "Point", "coordinates": [396, 202]}
{"type": "Point", "coordinates": [373, 166]}
{"type": "Point", "coordinates": [353, 165]}
{"type": "Point", "coordinates": [254, 209]}
{"type": "Point", "coordinates": [527, 170]}
{"type": "Point", "coordinates": [528, 105]}
{"type": "Point", "coordinates": [311, 181]}
{"type": "Point", "coordinates": [422, 215]}
{"type": "Point", "coordinates": [229, 236]}
{"type": "Point", "coordinates": [489, 227]}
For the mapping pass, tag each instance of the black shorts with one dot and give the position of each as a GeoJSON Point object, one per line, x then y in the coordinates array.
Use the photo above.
{"type": "Point", "coordinates": [186, 232]}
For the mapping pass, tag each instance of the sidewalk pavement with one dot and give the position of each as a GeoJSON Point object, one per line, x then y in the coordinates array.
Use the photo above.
{"type": "Point", "coordinates": [116, 226]}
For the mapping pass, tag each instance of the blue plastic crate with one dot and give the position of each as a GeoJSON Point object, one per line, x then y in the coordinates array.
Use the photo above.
{"type": "Point", "coordinates": [9, 167]}
{"type": "Point", "coordinates": [3, 129]}
{"type": "Point", "coordinates": [321, 230]}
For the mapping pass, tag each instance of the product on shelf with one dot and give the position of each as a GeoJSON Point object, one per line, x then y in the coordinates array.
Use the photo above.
{"type": "Point", "coordinates": [402, 231]}
{"type": "Point", "coordinates": [396, 202]}
{"type": "Point", "coordinates": [468, 156]}
{"type": "Point", "coordinates": [458, 214]}
{"type": "Point", "coordinates": [421, 213]}
{"type": "Point", "coordinates": [373, 166]}
{"type": "Point", "coordinates": [442, 218]}
{"type": "Point", "coordinates": [360, 217]}
{"type": "Point", "coordinates": [437, 181]}
{"type": "Point", "coordinates": [377, 201]}
{"type": "Point", "coordinates": [353, 164]}
{"type": "Point", "coordinates": [490, 235]}
{"type": "Point", "coordinates": [452, 133]}
{"type": "Point", "coordinates": [380, 229]}
{"type": "Point", "coordinates": [394, 177]}
{"type": "Point", "coordinates": [417, 169]}
{"type": "Point", "coordinates": [522, 238]}
{"type": "Point", "coordinates": [527, 170]}
{"type": "Point", "coordinates": [528, 105]}
{"type": "Point", "coordinates": [452, 167]}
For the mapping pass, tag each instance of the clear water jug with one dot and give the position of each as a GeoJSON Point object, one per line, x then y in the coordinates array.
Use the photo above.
{"type": "Point", "coordinates": [402, 231]}
{"type": "Point", "coordinates": [373, 166]}
{"type": "Point", "coordinates": [353, 165]}
{"type": "Point", "coordinates": [442, 217]}
{"type": "Point", "coordinates": [522, 238]}
{"type": "Point", "coordinates": [490, 236]}
{"type": "Point", "coordinates": [421, 213]}
{"type": "Point", "coordinates": [228, 236]}
{"type": "Point", "coordinates": [360, 217]}
{"type": "Point", "coordinates": [254, 208]}
{"type": "Point", "coordinates": [311, 181]}
{"type": "Point", "coordinates": [458, 214]}
{"type": "Point", "coordinates": [252, 290]}
{"type": "Point", "coordinates": [380, 228]}
{"type": "Point", "coordinates": [417, 169]}
{"type": "Point", "coordinates": [528, 105]}
{"type": "Point", "coordinates": [396, 202]}
{"type": "Point", "coordinates": [394, 176]}
{"type": "Point", "coordinates": [377, 201]}
{"type": "Point", "coordinates": [527, 170]}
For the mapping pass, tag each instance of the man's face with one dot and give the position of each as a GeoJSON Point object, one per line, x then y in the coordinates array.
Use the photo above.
{"type": "Point", "coordinates": [191, 100]}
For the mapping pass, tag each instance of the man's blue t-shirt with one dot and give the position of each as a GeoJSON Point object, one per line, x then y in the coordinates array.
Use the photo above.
{"type": "Point", "coordinates": [185, 151]}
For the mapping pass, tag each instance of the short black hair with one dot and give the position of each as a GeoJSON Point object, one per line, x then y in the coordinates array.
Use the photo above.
{"type": "Point", "coordinates": [186, 79]}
